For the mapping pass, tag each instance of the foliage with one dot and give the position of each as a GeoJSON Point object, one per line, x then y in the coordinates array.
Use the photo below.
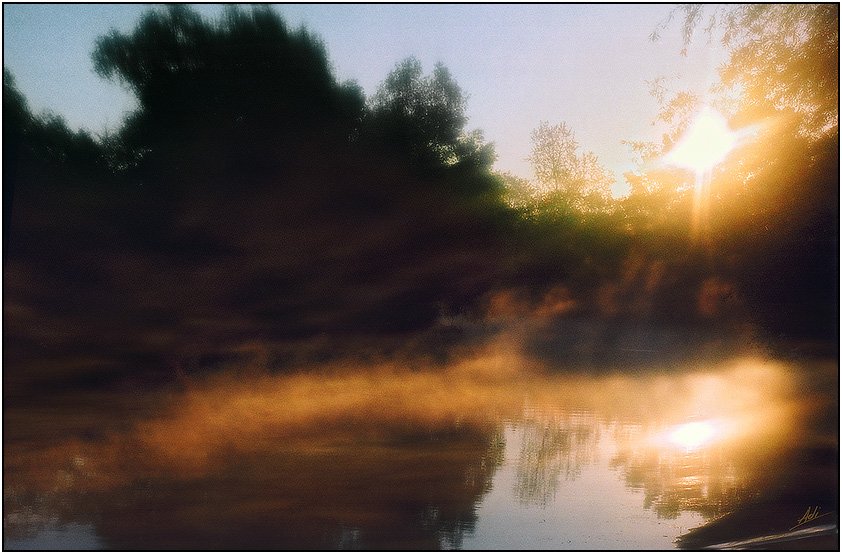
{"type": "Point", "coordinates": [554, 158]}
{"type": "Point", "coordinates": [251, 187]}
{"type": "Point", "coordinates": [247, 69]}
{"type": "Point", "coordinates": [422, 113]}
{"type": "Point", "coordinates": [773, 203]}
{"type": "Point", "coordinates": [202, 87]}
{"type": "Point", "coordinates": [782, 57]}
{"type": "Point", "coordinates": [423, 117]}
{"type": "Point", "coordinates": [562, 171]}
{"type": "Point", "coordinates": [44, 160]}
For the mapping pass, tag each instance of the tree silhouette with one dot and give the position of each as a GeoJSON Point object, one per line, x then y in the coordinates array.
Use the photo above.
{"type": "Point", "coordinates": [47, 166]}
{"type": "Point", "coordinates": [249, 185]}
{"type": "Point", "coordinates": [16, 119]}
{"type": "Point", "coordinates": [247, 70]}
{"type": "Point", "coordinates": [431, 107]}
{"type": "Point", "coordinates": [245, 80]}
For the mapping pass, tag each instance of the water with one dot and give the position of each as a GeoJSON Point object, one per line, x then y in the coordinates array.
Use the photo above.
{"type": "Point", "coordinates": [478, 456]}
{"type": "Point", "coordinates": [552, 495]}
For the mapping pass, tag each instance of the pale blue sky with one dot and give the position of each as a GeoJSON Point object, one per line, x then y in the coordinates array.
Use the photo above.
{"type": "Point", "coordinates": [585, 64]}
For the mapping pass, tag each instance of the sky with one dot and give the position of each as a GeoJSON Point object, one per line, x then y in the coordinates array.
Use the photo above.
{"type": "Point", "coordinates": [583, 64]}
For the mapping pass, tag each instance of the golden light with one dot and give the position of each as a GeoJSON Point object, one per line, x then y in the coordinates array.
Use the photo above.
{"type": "Point", "coordinates": [706, 143]}
{"type": "Point", "coordinates": [693, 435]}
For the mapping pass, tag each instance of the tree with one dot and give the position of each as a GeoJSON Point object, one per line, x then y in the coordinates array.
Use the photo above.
{"type": "Point", "coordinates": [781, 57]}
{"type": "Point", "coordinates": [16, 122]}
{"type": "Point", "coordinates": [44, 158]}
{"type": "Point", "coordinates": [424, 115]}
{"type": "Point", "coordinates": [554, 157]}
{"type": "Point", "coordinates": [243, 144]}
{"type": "Point", "coordinates": [201, 86]}
{"type": "Point", "coordinates": [775, 200]}
{"type": "Point", "coordinates": [562, 171]}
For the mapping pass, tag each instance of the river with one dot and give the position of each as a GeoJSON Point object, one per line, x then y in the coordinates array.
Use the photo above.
{"type": "Point", "coordinates": [482, 455]}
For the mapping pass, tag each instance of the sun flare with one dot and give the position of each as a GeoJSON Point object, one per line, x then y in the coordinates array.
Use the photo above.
{"type": "Point", "coordinates": [707, 142]}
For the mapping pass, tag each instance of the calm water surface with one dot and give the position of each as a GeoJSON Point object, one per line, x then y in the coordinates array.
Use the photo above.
{"type": "Point", "coordinates": [474, 457]}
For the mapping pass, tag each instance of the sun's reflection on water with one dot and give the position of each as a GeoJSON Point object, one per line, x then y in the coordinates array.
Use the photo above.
{"type": "Point", "coordinates": [677, 467]}
{"type": "Point", "coordinates": [695, 434]}
{"type": "Point", "coordinates": [647, 456]}
{"type": "Point", "coordinates": [691, 442]}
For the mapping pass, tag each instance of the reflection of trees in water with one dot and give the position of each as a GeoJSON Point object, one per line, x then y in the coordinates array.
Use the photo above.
{"type": "Point", "coordinates": [556, 447]}
{"type": "Point", "coordinates": [405, 492]}
{"type": "Point", "coordinates": [451, 522]}
{"type": "Point", "coordinates": [706, 481]}
{"type": "Point", "coordinates": [552, 447]}
{"type": "Point", "coordinates": [59, 496]}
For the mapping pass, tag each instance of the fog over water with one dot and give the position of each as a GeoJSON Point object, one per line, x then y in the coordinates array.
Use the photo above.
{"type": "Point", "coordinates": [476, 454]}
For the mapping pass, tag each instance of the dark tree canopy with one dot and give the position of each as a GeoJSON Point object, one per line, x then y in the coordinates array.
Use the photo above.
{"type": "Point", "coordinates": [429, 111]}
{"type": "Point", "coordinates": [424, 116]}
{"type": "Point", "coordinates": [239, 92]}
{"type": "Point", "coordinates": [42, 159]}
{"type": "Point", "coordinates": [247, 69]}
{"type": "Point", "coordinates": [250, 186]}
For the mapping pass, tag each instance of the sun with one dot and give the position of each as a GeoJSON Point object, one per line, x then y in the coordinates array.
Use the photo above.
{"type": "Point", "coordinates": [706, 143]}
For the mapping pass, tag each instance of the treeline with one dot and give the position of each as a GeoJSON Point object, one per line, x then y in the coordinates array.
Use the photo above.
{"type": "Point", "coordinates": [252, 196]}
